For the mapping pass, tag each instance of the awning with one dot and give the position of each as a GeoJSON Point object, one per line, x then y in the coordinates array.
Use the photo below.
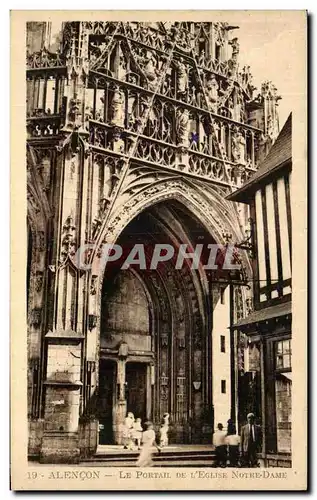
{"type": "Point", "coordinates": [265, 314]}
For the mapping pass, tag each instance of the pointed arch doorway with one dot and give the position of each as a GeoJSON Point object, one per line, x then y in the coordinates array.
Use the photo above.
{"type": "Point", "coordinates": [155, 329]}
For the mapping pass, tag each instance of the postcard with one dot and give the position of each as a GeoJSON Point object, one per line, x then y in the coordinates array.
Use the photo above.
{"type": "Point", "coordinates": [159, 231]}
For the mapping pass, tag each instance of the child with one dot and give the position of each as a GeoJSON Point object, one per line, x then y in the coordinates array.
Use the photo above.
{"type": "Point", "coordinates": [233, 442]}
{"type": "Point", "coordinates": [219, 442]}
{"type": "Point", "coordinates": [137, 432]}
{"type": "Point", "coordinates": [127, 431]}
{"type": "Point", "coordinates": [164, 430]}
{"type": "Point", "coordinates": [148, 442]}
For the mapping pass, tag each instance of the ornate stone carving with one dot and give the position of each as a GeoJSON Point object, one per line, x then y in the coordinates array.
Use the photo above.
{"type": "Point", "coordinates": [150, 68]}
{"type": "Point", "coordinates": [74, 114]}
{"type": "Point", "coordinates": [164, 339]}
{"type": "Point", "coordinates": [68, 238]}
{"type": "Point", "coordinates": [40, 241]}
{"type": "Point", "coordinates": [164, 387]}
{"type": "Point", "coordinates": [212, 88]}
{"type": "Point", "coordinates": [182, 76]}
{"type": "Point", "coordinates": [238, 147]}
{"type": "Point", "coordinates": [93, 285]}
{"type": "Point", "coordinates": [35, 317]}
{"type": "Point", "coordinates": [39, 278]}
{"type": "Point", "coordinates": [182, 126]}
{"type": "Point", "coordinates": [32, 202]}
{"type": "Point", "coordinates": [235, 49]}
{"type": "Point", "coordinates": [117, 108]}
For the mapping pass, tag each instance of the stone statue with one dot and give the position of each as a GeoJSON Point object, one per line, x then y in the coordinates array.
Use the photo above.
{"type": "Point", "coordinates": [150, 66]}
{"type": "Point", "coordinates": [182, 123]}
{"type": "Point", "coordinates": [235, 49]}
{"type": "Point", "coordinates": [117, 108]}
{"type": "Point", "coordinates": [182, 77]}
{"type": "Point", "coordinates": [238, 148]}
{"type": "Point", "coordinates": [212, 93]}
{"type": "Point", "coordinates": [201, 60]}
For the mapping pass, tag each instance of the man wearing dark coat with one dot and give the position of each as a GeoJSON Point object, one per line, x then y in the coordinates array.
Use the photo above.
{"type": "Point", "coordinates": [251, 440]}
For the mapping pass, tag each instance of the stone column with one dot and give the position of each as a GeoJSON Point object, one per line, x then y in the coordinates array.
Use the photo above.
{"type": "Point", "coordinates": [121, 402]}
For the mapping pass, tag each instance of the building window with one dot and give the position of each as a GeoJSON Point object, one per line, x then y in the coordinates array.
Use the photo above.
{"type": "Point", "coordinates": [283, 395]}
{"type": "Point", "coordinates": [283, 355]}
{"type": "Point", "coordinates": [223, 387]}
{"type": "Point", "coordinates": [222, 343]}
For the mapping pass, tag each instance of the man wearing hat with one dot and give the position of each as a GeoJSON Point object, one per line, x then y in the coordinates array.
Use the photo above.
{"type": "Point", "coordinates": [251, 438]}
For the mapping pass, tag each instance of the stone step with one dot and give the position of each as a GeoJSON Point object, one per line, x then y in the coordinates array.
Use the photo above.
{"type": "Point", "coordinates": [157, 456]}
{"type": "Point", "coordinates": [179, 463]}
{"type": "Point", "coordinates": [122, 458]}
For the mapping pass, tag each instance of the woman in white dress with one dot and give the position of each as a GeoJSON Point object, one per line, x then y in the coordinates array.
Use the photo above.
{"type": "Point", "coordinates": [164, 430]}
{"type": "Point", "coordinates": [127, 429]}
{"type": "Point", "coordinates": [148, 445]}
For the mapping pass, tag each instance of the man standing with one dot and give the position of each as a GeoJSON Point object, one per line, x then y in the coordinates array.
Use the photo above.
{"type": "Point", "coordinates": [219, 442]}
{"type": "Point", "coordinates": [251, 439]}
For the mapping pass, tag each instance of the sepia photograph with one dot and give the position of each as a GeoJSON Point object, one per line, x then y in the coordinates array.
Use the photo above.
{"type": "Point", "coordinates": [159, 233]}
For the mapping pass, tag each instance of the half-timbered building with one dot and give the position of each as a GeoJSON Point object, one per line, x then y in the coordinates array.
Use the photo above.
{"type": "Point", "coordinates": [266, 380]}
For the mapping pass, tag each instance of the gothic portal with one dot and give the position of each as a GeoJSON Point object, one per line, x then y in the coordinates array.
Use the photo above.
{"type": "Point", "coordinates": [137, 132]}
{"type": "Point", "coordinates": [154, 330]}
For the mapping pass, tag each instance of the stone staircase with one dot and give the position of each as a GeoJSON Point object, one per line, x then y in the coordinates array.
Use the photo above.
{"type": "Point", "coordinates": [171, 456]}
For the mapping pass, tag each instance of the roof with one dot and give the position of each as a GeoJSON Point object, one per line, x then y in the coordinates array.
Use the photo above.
{"type": "Point", "coordinates": [265, 314]}
{"type": "Point", "coordinates": [279, 155]}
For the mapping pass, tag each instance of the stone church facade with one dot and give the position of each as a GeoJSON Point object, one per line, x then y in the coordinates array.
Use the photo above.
{"type": "Point", "coordinates": [136, 134]}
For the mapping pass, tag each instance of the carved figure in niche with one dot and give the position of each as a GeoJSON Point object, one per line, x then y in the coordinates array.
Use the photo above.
{"type": "Point", "coordinates": [183, 38]}
{"type": "Point", "coordinates": [68, 240]}
{"type": "Point", "coordinates": [144, 33]}
{"type": "Point", "coordinates": [182, 76]}
{"type": "Point", "coordinates": [237, 109]}
{"type": "Point", "coordinates": [74, 114]}
{"type": "Point", "coordinates": [117, 108]}
{"type": "Point", "coordinates": [45, 172]}
{"type": "Point", "coordinates": [150, 68]}
{"type": "Point", "coordinates": [212, 88]}
{"type": "Point", "coordinates": [182, 126]}
{"type": "Point", "coordinates": [117, 140]}
{"type": "Point", "coordinates": [238, 147]}
{"type": "Point", "coordinates": [201, 60]}
{"type": "Point", "coordinates": [230, 105]}
{"type": "Point", "coordinates": [235, 49]}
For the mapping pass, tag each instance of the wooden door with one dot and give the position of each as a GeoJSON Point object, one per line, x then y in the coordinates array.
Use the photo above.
{"type": "Point", "coordinates": [136, 389]}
